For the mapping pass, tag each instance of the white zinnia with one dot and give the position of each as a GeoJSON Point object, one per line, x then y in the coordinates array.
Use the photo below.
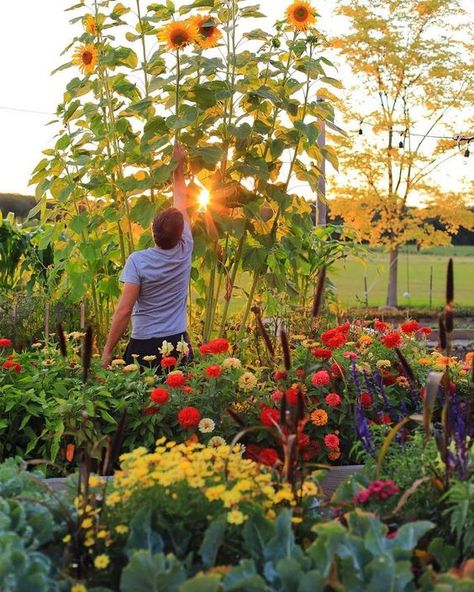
{"type": "Point", "coordinates": [206, 425]}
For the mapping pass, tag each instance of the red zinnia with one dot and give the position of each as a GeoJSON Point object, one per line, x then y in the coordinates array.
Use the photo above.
{"type": "Point", "coordinates": [321, 378]}
{"type": "Point", "coordinates": [409, 327]}
{"type": "Point", "coordinates": [388, 378]}
{"type": "Point", "coordinates": [269, 416]}
{"type": "Point", "coordinates": [187, 390]}
{"type": "Point", "coordinates": [189, 417]}
{"type": "Point", "coordinates": [380, 326]}
{"type": "Point", "coordinates": [217, 346]}
{"type": "Point", "coordinates": [322, 353]}
{"type": "Point", "coordinates": [331, 441]}
{"type": "Point", "coordinates": [333, 399]}
{"type": "Point", "coordinates": [160, 395]}
{"type": "Point", "coordinates": [392, 339]}
{"type": "Point", "coordinates": [277, 396]}
{"type": "Point", "coordinates": [303, 440]}
{"type": "Point", "coordinates": [150, 411]}
{"type": "Point", "coordinates": [9, 365]}
{"type": "Point", "coordinates": [175, 379]}
{"type": "Point", "coordinates": [280, 375]}
{"type": "Point", "coordinates": [213, 371]}
{"type": "Point", "coordinates": [337, 370]}
{"type": "Point", "coordinates": [168, 362]}
{"type": "Point", "coordinates": [365, 400]}
{"type": "Point", "coordinates": [292, 396]}
{"type": "Point", "coordinates": [425, 331]}
{"type": "Point", "coordinates": [268, 456]}
{"type": "Point", "coordinates": [335, 340]}
{"type": "Point", "coordinates": [4, 342]}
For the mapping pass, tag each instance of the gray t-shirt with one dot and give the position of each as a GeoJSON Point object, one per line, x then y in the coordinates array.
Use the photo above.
{"type": "Point", "coordinates": [163, 277]}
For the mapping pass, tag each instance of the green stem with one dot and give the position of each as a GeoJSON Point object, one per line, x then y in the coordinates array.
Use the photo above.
{"type": "Point", "coordinates": [233, 275]}
{"type": "Point", "coordinates": [243, 324]}
{"type": "Point", "coordinates": [178, 74]}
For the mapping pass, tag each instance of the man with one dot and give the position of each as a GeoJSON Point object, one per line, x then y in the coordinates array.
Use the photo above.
{"type": "Point", "coordinates": [156, 283]}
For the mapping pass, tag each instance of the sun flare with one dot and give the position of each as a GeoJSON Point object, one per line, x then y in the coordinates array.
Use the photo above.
{"type": "Point", "coordinates": [203, 199]}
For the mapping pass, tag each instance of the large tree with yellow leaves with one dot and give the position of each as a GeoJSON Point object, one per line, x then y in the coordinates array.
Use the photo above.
{"type": "Point", "coordinates": [411, 63]}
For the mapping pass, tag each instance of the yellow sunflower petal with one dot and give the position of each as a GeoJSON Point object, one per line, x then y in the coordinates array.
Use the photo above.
{"type": "Point", "coordinates": [208, 33]}
{"type": "Point", "coordinates": [301, 15]}
{"type": "Point", "coordinates": [178, 34]}
{"type": "Point", "coordinates": [85, 57]}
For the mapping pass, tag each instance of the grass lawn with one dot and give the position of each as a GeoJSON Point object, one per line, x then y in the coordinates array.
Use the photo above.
{"type": "Point", "coordinates": [413, 277]}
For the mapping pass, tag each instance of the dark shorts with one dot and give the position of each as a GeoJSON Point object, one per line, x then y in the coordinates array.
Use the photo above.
{"type": "Point", "coordinates": [149, 347]}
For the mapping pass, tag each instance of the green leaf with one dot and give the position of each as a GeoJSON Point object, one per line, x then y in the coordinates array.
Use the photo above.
{"type": "Point", "coordinates": [152, 573]}
{"type": "Point", "coordinates": [143, 211]}
{"type": "Point", "coordinates": [142, 536]}
{"type": "Point", "coordinates": [243, 578]}
{"type": "Point", "coordinates": [202, 583]}
{"type": "Point", "coordinates": [212, 540]}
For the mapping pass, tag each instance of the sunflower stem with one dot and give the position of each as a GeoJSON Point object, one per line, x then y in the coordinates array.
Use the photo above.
{"type": "Point", "coordinates": [178, 74]}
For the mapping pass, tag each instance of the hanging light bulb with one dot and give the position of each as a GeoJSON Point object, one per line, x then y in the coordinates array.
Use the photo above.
{"type": "Point", "coordinates": [361, 131]}
{"type": "Point", "coordinates": [467, 154]}
{"type": "Point", "coordinates": [401, 145]}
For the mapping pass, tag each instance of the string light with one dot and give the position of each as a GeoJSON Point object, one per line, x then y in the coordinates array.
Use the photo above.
{"type": "Point", "coordinates": [361, 131]}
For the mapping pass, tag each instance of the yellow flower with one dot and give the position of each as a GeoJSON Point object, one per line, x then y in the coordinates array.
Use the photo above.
{"type": "Point", "coordinates": [87, 523]}
{"type": "Point", "coordinates": [301, 15]}
{"type": "Point", "coordinates": [236, 517]}
{"type": "Point", "coordinates": [121, 529]}
{"type": "Point", "coordinates": [149, 358]}
{"type": "Point", "coordinates": [78, 588]}
{"type": "Point", "coordinates": [208, 33]}
{"type": "Point", "coordinates": [424, 361]}
{"type": "Point", "coordinates": [309, 489]}
{"type": "Point", "coordinates": [149, 380]}
{"type": "Point", "coordinates": [229, 363]}
{"type": "Point", "coordinates": [139, 175]}
{"type": "Point", "coordinates": [85, 57]}
{"type": "Point", "coordinates": [247, 381]}
{"type": "Point", "coordinates": [90, 24]}
{"type": "Point", "coordinates": [67, 538]}
{"type": "Point", "coordinates": [166, 348]}
{"type": "Point", "coordinates": [95, 481]}
{"type": "Point", "coordinates": [206, 425]}
{"type": "Point", "coordinates": [319, 417]}
{"type": "Point", "coordinates": [178, 34]}
{"type": "Point", "coordinates": [89, 542]}
{"type": "Point", "coordinates": [297, 520]}
{"type": "Point", "coordinates": [117, 362]}
{"type": "Point", "coordinates": [130, 368]}
{"type": "Point", "coordinates": [216, 441]}
{"type": "Point", "coordinates": [102, 534]}
{"type": "Point", "coordinates": [383, 363]}
{"type": "Point", "coordinates": [365, 340]}
{"type": "Point", "coordinates": [101, 561]}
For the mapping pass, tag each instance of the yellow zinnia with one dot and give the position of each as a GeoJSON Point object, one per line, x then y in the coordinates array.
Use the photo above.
{"type": "Point", "coordinates": [208, 33]}
{"type": "Point", "coordinates": [319, 417]}
{"type": "Point", "coordinates": [178, 34]}
{"type": "Point", "coordinates": [85, 57]}
{"type": "Point", "coordinates": [301, 15]}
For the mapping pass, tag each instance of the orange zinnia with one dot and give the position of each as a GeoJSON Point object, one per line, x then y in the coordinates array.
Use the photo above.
{"type": "Point", "coordinates": [209, 34]}
{"type": "Point", "coordinates": [301, 15]}
{"type": "Point", "coordinates": [319, 417]}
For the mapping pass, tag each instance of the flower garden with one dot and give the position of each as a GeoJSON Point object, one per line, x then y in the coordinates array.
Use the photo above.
{"type": "Point", "coordinates": [301, 450]}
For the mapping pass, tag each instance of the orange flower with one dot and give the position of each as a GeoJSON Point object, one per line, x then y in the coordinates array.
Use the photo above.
{"type": "Point", "coordinates": [319, 417]}
{"type": "Point", "coordinates": [85, 57]}
{"type": "Point", "coordinates": [334, 454]}
{"type": "Point", "coordinates": [90, 24]}
{"type": "Point", "coordinates": [301, 15]}
{"type": "Point", "coordinates": [178, 34]}
{"type": "Point", "coordinates": [208, 33]}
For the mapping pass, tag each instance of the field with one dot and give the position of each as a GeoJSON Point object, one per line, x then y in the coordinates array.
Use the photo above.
{"type": "Point", "coordinates": [413, 277]}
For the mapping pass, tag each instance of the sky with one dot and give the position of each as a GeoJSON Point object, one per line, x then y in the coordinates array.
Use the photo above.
{"type": "Point", "coordinates": [33, 34]}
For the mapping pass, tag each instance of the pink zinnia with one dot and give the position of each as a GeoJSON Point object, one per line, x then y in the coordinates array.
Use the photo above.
{"type": "Point", "coordinates": [333, 399]}
{"type": "Point", "coordinates": [321, 378]}
{"type": "Point", "coordinates": [331, 441]}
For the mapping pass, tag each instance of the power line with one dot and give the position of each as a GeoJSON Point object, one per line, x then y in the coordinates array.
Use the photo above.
{"type": "Point", "coordinates": [19, 110]}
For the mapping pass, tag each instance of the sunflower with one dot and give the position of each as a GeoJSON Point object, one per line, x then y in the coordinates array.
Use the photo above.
{"type": "Point", "coordinates": [90, 24]}
{"type": "Point", "coordinates": [209, 34]}
{"type": "Point", "coordinates": [301, 15]}
{"type": "Point", "coordinates": [85, 57]}
{"type": "Point", "coordinates": [178, 34]}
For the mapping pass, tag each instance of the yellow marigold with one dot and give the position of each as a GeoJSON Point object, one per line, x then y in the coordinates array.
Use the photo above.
{"type": "Point", "coordinates": [301, 15]}
{"type": "Point", "coordinates": [85, 57]}
{"type": "Point", "coordinates": [95, 481]}
{"type": "Point", "coordinates": [247, 381]}
{"type": "Point", "coordinates": [208, 33]}
{"type": "Point", "coordinates": [297, 520]}
{"type": "Point", "coordinates": [229, 363]}
{"type": "Point", "coordinates": [102, 534]}
{"type": "Point", "coordinates": [334, 454]}
{"type": "Point", "coordinates": [101, 561]}
{"type": "Point", "coordinates": [178, 34]}
{"type": "Point", "coordinates": [67, 538]}
{"type": "Point", "coordinates": [121, 529]}
{"type": "Point", "coordinates": [236, 517]}
{"type": "Point", "coordinates": [90, 24]}
{"type": "Point", "coordinates": [78, 588]}
{"type": "Point", "coordinates": [319, 417]}
{"type": "Point", "coordinates": [89, 542]}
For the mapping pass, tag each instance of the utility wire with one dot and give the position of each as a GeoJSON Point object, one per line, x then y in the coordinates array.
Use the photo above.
{"type": "Point", "coordinates": [19, 110]}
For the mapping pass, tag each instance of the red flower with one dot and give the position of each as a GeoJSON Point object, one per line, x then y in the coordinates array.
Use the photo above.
{"type": "Point", "coordinates": [409, 327]}
{"type": "Point", "coordinates": [292, 396]}
{"type": "Point", "coordinates": [160, 395]}
{"type": "Point", "coordinates": [277, 396]}
{"type": "Point", "coordinates": [4, 342]}
{"type": "Point", "coordinates": [175, 379]}
{"type": "Point", "coordinates": [365, 400]}
{"type": "Point", "coordinates": [392, 339]}
{"type": "Point", "coordinates": [213, 371]}
{"type": "Point", "coordinates": [384, 419]}
{"type": "Point", "coordinates": [425, 331]}
{"type": "Point", "coordinates": [189, 417]}
{"type": "Point", "coordinates": [322, 353]}
{"type": "Point", "coordinates": [217, 346]}
{"type": "Point", "coordinates": [279, 375]}
{"type": "Point", "coordinates": [252, 451]}
{"type": "Point", "coordinates": [303, 440]}
{"type": "Point", "coordinates": [321, 378]}
{"type": "Point", "coordinates": [268, 456]}
{"type": "Point", "coordinates": [312, 450]}
{"type": "Point", "coordinates": [388, 378]}
{"type": "Point", "coordinates": [168, 362]}
{"type": "Point", "coordinates": [333, 399]}
{"type": "Point", "coordinates": [9, 365]}
{"type": "Point", "coordinates": [337, 370]}
{"type": "Point", "coordinates": [423, 392]}
{"type": "Point", "coordinates": [380, 326]}
{"type": "Point", "coordinates": [269, 416]}
{"type": "Point", "coordinates": [331, 441]}
{"type": "Point", "coordinates": [187, 390]}
{"type": "Point", "coordinates": [299, 372]}
{"type": "Point", "coordinates": [150, 411]}
{"type": "Point", "coordinates": [335, 340]}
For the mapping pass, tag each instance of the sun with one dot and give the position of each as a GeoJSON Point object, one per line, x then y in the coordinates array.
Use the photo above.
{"type": "Point", "coordinates": [301, 15]}
{"type": "Point", "coordinates": [85, 57]}
{"type": "Point", "coordinates": [203, 199]}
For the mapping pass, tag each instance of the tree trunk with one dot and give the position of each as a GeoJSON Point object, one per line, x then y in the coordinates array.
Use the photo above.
{"type": "Point", "coordinates": [392, 291]}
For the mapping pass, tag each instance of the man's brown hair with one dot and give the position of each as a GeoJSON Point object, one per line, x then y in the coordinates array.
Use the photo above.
{"type": "Point", "coordinates": [168, 228]}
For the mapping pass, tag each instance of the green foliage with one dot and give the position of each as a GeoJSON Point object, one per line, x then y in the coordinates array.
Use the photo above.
{"type": "Point", "coordinates": [460, 512]}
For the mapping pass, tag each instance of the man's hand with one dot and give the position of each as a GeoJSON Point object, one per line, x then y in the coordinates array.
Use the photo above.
{"type": "Point", "coordinates": [179, 153]}
{"type": "Point", "coordinates": [106, 359]}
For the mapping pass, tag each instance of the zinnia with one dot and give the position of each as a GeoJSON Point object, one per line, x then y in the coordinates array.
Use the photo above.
{"type": "Point", "coordinates": [280, 375]}
{"type": "Point", "coordinates": [175, 379]}
{"type": "Point", "coordinates": [268, 456]}
{"type": "Point", "coordinates": [392, 339]}
{"type": "Point", "coordinates": [380, 326]}
{"type": "Point", "coordinates": [409, 327]}
{"type": "Point", "coordinates": [4, 342]}
{"type": "Point", "coordinates": [321, 378]}
{"type": "Point", "coordinates": [333, 399]}
{"type": "Point", "coordinates": [269, 416]}
{"type": "Point", "coordinates": [322, 353]}
{"type": "Point", "coordinates": [213, 371]}
{"type": "Point", "coordinates": [331, 441]}
{"type": "Point", "coordinates": [168, 361]}
{"type": "Point", "coordinates": [247, 381]}
{"type": "Point", "coordinates": [160, 395]}
{"type": "Point", "coordinates": [292, 396]}
{"type": "Point", "coordinates": [365, 400]}
{"type": "Point", "coordinates": [217, 346]}
{"type": "Point", "coordinates": [319, 417]}
{"type": "Point", "coordinates": [189, 417]}
{"type": "Point", "coordinates": [10, 365]}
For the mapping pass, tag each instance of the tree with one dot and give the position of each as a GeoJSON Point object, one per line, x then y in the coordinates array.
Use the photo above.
{"type": "Point", "coordinates": [408, 58]}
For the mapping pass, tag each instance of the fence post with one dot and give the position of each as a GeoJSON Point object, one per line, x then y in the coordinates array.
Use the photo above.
{"type": "Point", "coordinates": [431, 287]}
